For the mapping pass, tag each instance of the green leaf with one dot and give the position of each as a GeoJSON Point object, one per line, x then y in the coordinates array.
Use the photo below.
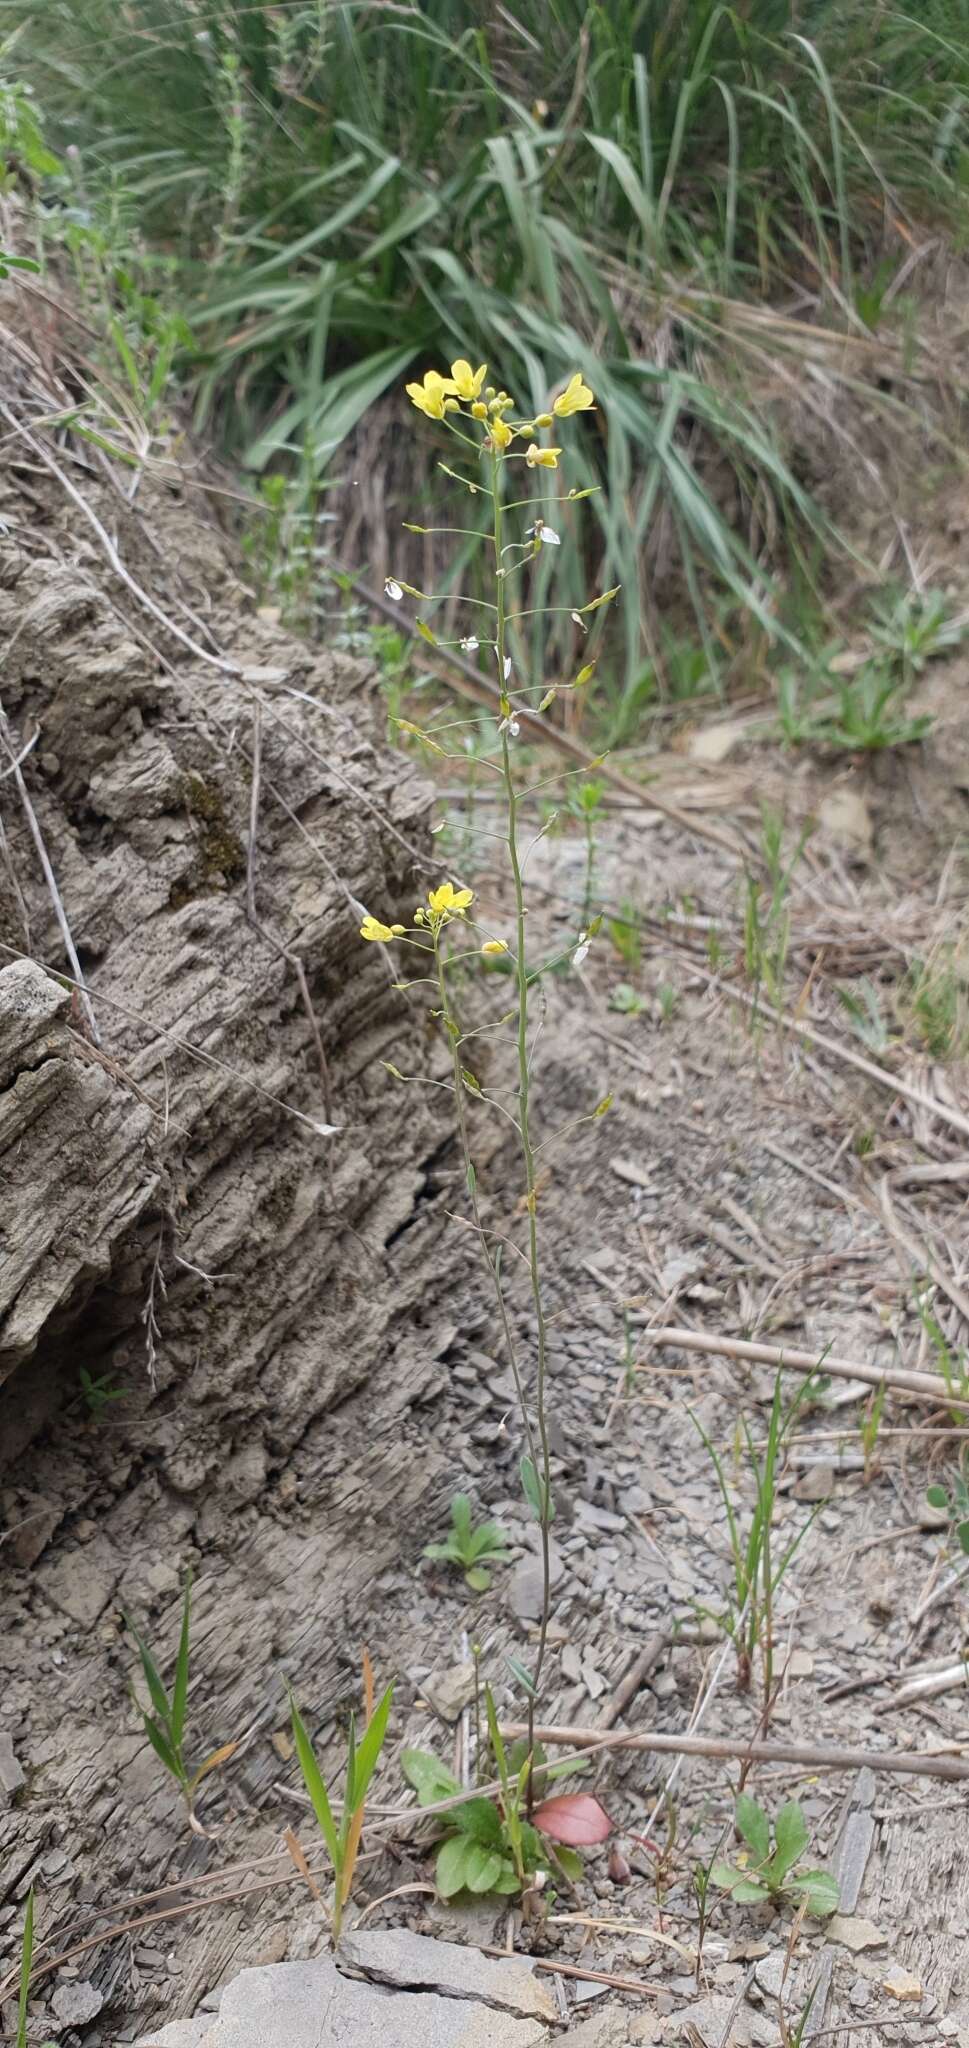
{"type": "Point", "coordinates": [369, 1748]}
{"type": "Point", "coordinates": [790, 1840]}
{"type": "Point", "coordinates": [937, 1497]}
{"type": "Point", "coordinates": [488, 1537]}
{"type": "Point", "coordinates": [478, 1578]}
{"type": "Point", "coordinates": [724, 1875]}
{"type": "Point", "coordinates": [749, 1893]}
{"type": "Point", "coordinates": [479, 1819]}
{"type": "Point", "coordinates": [447, 1551]}
{"type": "Point", "coordinates": [429, 1778]}
{"type": "Point", "coordinates": [159, 1697]}
{"type": "Point", "coordinates": [819, 1890]}
{"type": "Point", "coordinates": [451, 1868]}
{"type": "Point", "coordinates": [313, 1780]}
{"type": "Point", "coordinates": [507, 1883]}
{"type": "Point", "coordinates": [482, 1867]}
{"type": "Point", "coordinates": [754, 1826]}
{"type": "Point", "coordinates": [570, 1861]}
{"type": "Point", "coordinates": [962, 1533]}
{"type": "Point", "coordinates": [522, 1675]}
{"type": "Point", "coordinates": [497, 1740]}
{"type": "Point", "coordinates": [180, 1690]}
{"type": "Point", "coordinates": [161, 1745]}
{"type": "Point", "coordinates": [461, 1519]}
{"type": "Point", "coordinates": [26, 1958]}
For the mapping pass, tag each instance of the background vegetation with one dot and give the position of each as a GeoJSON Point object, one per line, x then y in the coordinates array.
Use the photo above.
{"type": "Point", "coordinates": [298, 202]}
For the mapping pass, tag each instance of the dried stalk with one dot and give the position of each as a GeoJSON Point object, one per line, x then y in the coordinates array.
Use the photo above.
{"type": "Point", "coordinates": [925, 1386]}
{"type": "Point", "coordinates": [901, 1762]}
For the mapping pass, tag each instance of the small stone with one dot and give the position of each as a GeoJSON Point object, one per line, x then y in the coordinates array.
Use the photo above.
{"type": "Point", "coordinates": [448, 1692]}
{"type": "Point", "coordinates": [769, 1974]}
{"type": "Point", "coordinates": [817, 1483]}
{"type": "Point", "coordinates": [853, 1933]}
{"type": "Point", "coordinates": [413, 1962]}
{"type": "Point", "coordinates": [901, 1984]}
{"type": "Point", "coordinates": [77, 2003]}
{"type": "Point", "coordinates": [82, 1582]}
{"type": "Point", "coordinates": [11, 1775]}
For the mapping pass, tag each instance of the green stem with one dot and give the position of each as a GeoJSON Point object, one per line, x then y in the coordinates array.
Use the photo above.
{"type": "Point", "coordinates": [452, 1033]}
{"type": "Point", "coordinates": [528, 1157]}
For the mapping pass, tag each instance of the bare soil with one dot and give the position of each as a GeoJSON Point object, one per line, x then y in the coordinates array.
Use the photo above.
{"type": "Point", "coordinates": [307, 1352]}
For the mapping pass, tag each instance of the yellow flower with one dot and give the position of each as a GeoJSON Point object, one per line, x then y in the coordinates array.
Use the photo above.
{"type": "Point", "coordinates": [467, 382]}
{"type": "Point", "coordinates": [542, 458]}
{"type": "Point", "coordinates": [575, 398]}
{"type": "Point", "coordinates": [429, 397]}
{"type": "Point", "coordinates": [372, 928]}
{"type": "Point", "coordinates": [479, 410]}
{"type": "Point", "coordinates": [494, 946]}
{"type": "Point", "coordinates": [447, 901]}
{"type": "Point", "coordinates": [501, 433]}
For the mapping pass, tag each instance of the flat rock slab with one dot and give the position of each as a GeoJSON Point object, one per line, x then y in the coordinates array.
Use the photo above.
{"type": "Point", "coordinates": [412, 1962]}
{"type": "Point", "coordinates": [311, 2005]}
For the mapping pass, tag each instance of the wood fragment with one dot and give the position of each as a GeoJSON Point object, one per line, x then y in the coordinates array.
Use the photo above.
{"type": "Point", "coordinates": [639, 1670]}
{"type": "Point", "coordinates": [953, 1768]}
{"type": "Point", "coordinates": [927, 1386]}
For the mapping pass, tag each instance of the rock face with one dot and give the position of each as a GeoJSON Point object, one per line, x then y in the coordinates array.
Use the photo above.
{"type": "Point", "coordinates": [186, 1142]}
{"type": "Point", "coordinates": [218, 1220]}
{"type": "Point", "coordinates": [316, 2005]}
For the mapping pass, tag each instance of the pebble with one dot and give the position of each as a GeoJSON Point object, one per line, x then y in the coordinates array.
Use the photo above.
{"type": "Point", "coordinates": [11, 1774]}
{"type": "Point", "coordinates": [75, 2004]}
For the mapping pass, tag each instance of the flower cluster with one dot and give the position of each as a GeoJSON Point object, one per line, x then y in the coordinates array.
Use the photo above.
{"type": "Point", "coordinates": [461, 392]}
{"type": "Point", "coordinates": [444, 904]}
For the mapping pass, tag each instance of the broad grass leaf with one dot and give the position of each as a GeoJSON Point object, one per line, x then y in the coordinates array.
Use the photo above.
{"type": "Point", "coordinates": [429, 1778]}
{"type": "Point", "coordinates": [790, 1838]}
{"type": "Point", "coordinates": [451, 1868]}
{"type": "Point", "coordinates": [754, 1826]}
{"type": "Point", "coordinates": [481, 1821]}
{"type": "Point", "coordinates": [482, 1867]}
{"type": "Point", "coordinates": [819, 1891]}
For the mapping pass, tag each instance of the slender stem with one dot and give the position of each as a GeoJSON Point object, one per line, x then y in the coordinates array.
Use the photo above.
{"type": "Point", "coordinates": [453, 1038]}
{"type": "Point", "coordinates": [531, 1192]}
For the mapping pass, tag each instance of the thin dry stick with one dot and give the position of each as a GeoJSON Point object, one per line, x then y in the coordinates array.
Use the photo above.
{"type": "Point", "coordinates": [926, 1386]}
{"type": "Point", "coordinates": [902, 1762]}
{"type": "Point", "coordinates": [49, 877]}
{"type": "Point", "coordinates": [254, 810]}
{"type": "Point", "coordinates": [230, 668]}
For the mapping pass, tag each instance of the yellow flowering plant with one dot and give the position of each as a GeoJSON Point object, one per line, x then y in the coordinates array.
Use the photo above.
{"type": "Point", "coordinates": [487, 420]}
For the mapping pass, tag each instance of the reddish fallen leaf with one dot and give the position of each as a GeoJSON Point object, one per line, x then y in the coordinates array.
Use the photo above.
{"type": "Point", "coordinates": [575, 1819]}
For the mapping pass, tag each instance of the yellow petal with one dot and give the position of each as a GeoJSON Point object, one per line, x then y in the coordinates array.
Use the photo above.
{"type": "Point", "coordinates": [462, 898]}
{"type": "Point", "coordinates": [577, 397]}
{"type": "Point", "coordinates": [494, 946]}
{"type": "Point", "coordinates": [542, 458]}
{"type": "Point", "coordinates": [372, 928]}
{"type": "Point", "coordinates": [500, 433]}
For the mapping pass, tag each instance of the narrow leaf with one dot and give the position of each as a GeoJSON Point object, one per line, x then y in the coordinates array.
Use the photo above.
{"type": "Point", "coordinates": [161, 1746]}
{"type": "Point", "coordinates": [313, 1780]}
{"type": "Point", "coordinates": [218, 1756]}
{"type": "Point", "coordinates": [180, 1690]}
{"type": "Point", "coordinates": [371, 1746]}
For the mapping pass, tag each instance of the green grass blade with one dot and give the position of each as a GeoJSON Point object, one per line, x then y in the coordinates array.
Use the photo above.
{"type": "Point", "coordinates": [313, 1780]}
{"type": "Point", "coordinates": [180, 1689]}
